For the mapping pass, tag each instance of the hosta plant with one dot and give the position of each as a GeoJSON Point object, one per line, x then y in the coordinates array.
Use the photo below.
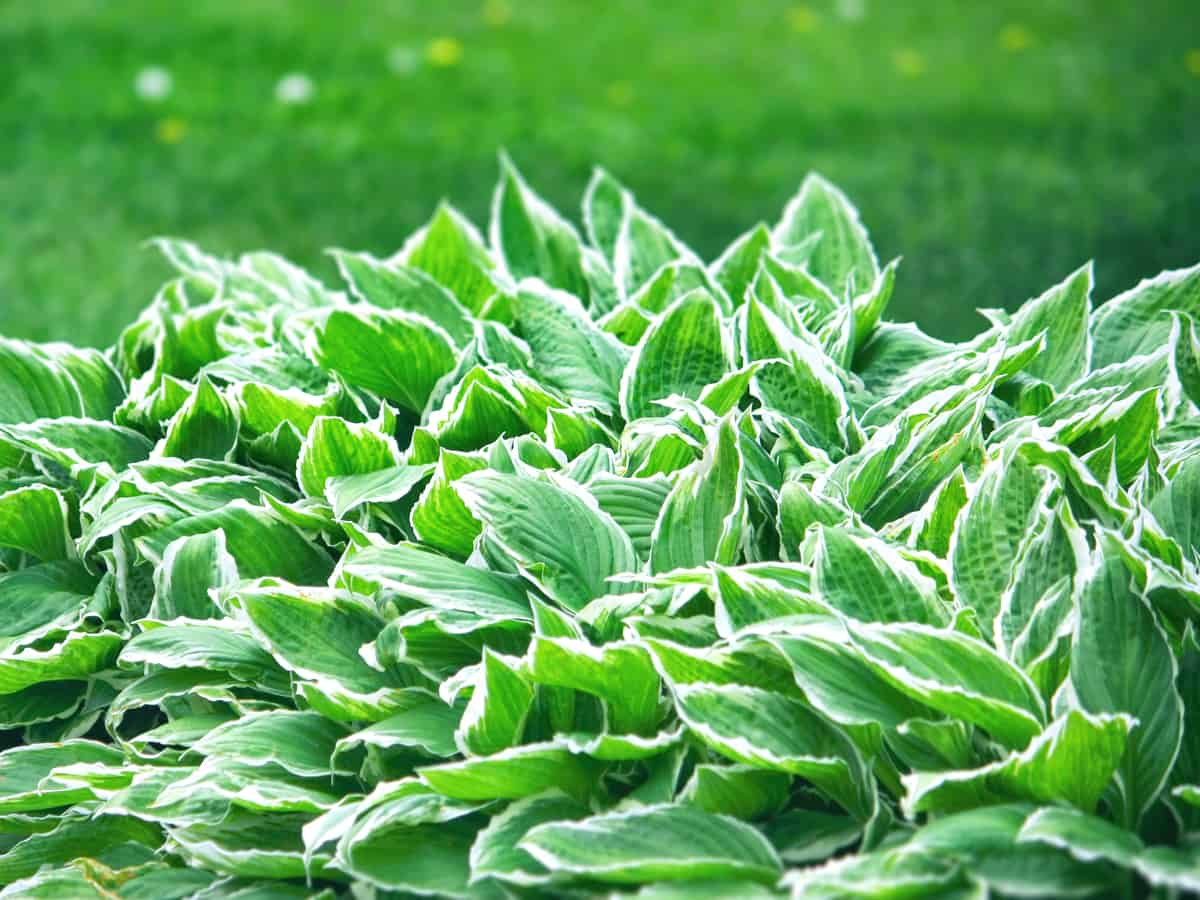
{"type": "Point", "coordinates": [561, 562]}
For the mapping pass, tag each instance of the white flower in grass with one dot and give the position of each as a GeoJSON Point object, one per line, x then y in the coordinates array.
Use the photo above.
{"type": "Point", "coordinates": [403, 60]}
{"type": "Point", "coordinates": [851, 10]}
{"type": "Point", "coordinates": [295, 88]}
{"type": "Point", "coordinates": [153, 83]}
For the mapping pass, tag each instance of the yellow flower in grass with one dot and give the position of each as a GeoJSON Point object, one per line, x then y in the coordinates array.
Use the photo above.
{"type": "Point", "coordinates": [444, 52]}
{"type": "Point", "coordinates": [1015, 38]}
{"type": "Point", "coordinates": [496, 13]}
{"type": "Point", "coordinates": [170, 130]}
{"type": "Point", "coordinates": [802, 19]}
{"type": "Point", "coordinates": [908, 62]}
{"type": "Point", "coordinates": [1192, 61]}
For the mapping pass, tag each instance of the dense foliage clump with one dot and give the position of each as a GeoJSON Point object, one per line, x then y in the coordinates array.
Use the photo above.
{"type": "Point", "coordinates": [548, 565]}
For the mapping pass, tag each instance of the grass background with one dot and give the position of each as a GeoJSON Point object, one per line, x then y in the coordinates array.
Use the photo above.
{"type": "Point", "coordinates": [996, 146]}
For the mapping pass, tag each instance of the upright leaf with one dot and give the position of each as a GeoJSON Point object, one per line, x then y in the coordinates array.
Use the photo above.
{"type": "Point", "coordinates": [1121, 663]}
{"type": "Point", "coordinates": [704, 516]}
{"type": "Point", "coordinates": [843, 258]}
{"type": "Point", "coordinates": [683, 352]}
{"type": "Point", "coordinates": [533, 240]}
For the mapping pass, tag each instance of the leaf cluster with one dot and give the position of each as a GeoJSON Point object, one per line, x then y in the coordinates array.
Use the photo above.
{"type": "Point", "coordinates": [559, 563]}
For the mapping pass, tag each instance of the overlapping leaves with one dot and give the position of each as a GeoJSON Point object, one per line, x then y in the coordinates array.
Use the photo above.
{"type": "Point", "coordinates": [561, 562]}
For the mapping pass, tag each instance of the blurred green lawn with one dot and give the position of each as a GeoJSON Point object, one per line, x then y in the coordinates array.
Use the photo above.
{"type": "Point", "coordinates": [995, 146]}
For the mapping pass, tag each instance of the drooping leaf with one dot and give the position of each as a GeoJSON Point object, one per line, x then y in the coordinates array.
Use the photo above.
{"type": "Point", "coordinates": [570, 352]}
{"type": "Point", "coordinates": [1138, 321]}
{"type": "Point", "coordinates": [529, 519]}
{"type": "Point", "coordinates": [956, 675]}
{"type": "Point", "coordinates": [656, 843]}
{"type": "Point", "coordinates": [398, 355]}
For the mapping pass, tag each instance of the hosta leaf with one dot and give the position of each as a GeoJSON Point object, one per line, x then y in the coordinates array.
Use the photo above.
{"type": "Point", "coordinates": [802, 385]}
{"type": "Point", "coordinates": [42, 703]}
{"type": "Point", "coordinates": [620, 674]}
{"type": "Point", "coordinates": [656, 843]}
{"type": "Point", "coordinates": [260, 542]}
{"type": "Point", "coordinates": [703, 517]}
{"type": "Point", "coordinates": [989, 532]}
{"type": "Point", "coordinates": [398, 355]}
{"type": "Point", "coordinates": [633, 503]}
{"type": "Point", "coordinates": [737, 266]}
{"type": "Point", "coordinates": [315, 633]}
{"type": "Point", "coordinates": [768, 730]}
{"type": "Point", "coordinates": [1177, 506]}
{"type": "Point", "coordinates": [868, 307]}
{"type": "Point", "coordinates": [335, 448]}
{"type": "Point", "coordinates": [191, 568]}
{"type": "Point", "coordinates": [867, 579]}
{"type": "Point", "coordinates": [347, 493]}
{"type": "Point", "coordinates": [74, 838]}
{"type": "Point", "coordinates": [1138, 321]}
{"type": "Point", "coordinates": [77, 656]}
{"type": "Point", "coordinates": [33, 520]}
{"type": "Point", "coordinates": [45, 596]}
{"type": "Point", "coordinates": [1072, 761]}
{"type": "Point", "coordinates": [1089, 838]}
{"type": "Point", "coordinates": [53, 380]}
{"type": "Point", "coordinates": [732, 665]}
{"type": "Point", "coordinates": [683, 352]}
{"type": "Point", "coordinates": [837, 681]}
{"type": "Point", "coordinates": [75, 441]}
{"type": "Point", "coordinates": [512, 774]}
{"type": "Point", "coordinates": [532, 239]}
{"type": "Point", "coordinates": [956, 675]}
{"type": "Point", "coordinates": [1062, 313]}
{"type": "Point", "coordinates": [904, 462]}
{"type": "Point", "coordinates": [603, 209]}
{"type": "Point", "coordinates": [496, 854]}
{"type": "Point", "coordinates": [529, 518]}
{"type": "Point", "coordinates": [452, 251]}
{"type": "Point", "coordinates": [427, 725]}
{"type": "Point", "coordinates": [298, 742]}
{"type": "Point", "coordinates": [1187, 357]}
{"type": "Point", "coordinates": [432, 859]}
{"type": "Point", "coordinates": [743, 792]}
{"type": "Point", "coordinates": [1121, 663]}
{"type": "Point", "coordinates": [24, 769]}
{"type": "Point", "coordinates": [570, 352]}
{"type": "Point", "coordinates": [843, 258]}
{"type": "Point", "coordinates": [440, 582]}
{"type": "Point", "coordinates": [495, 717]}
{"type": "Point", "coordinates": [390, 286]}
{"type": "Point", "coordinates": [621, 747]}
{"type": "Point", "coordinates": [988, 841]}
{"type": "Point", "coordinates": [643, 246]}
{"type": "Point", "coordinates": [489, 403]}
{"type": "Point", "coordinates": [218, 645]}
{"type": "Point", "coordinates": [206, 427]}
{"type": "Point", "coordinates": [263, 407]}
{"type": "Point", "coordinates": [248, 845]}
